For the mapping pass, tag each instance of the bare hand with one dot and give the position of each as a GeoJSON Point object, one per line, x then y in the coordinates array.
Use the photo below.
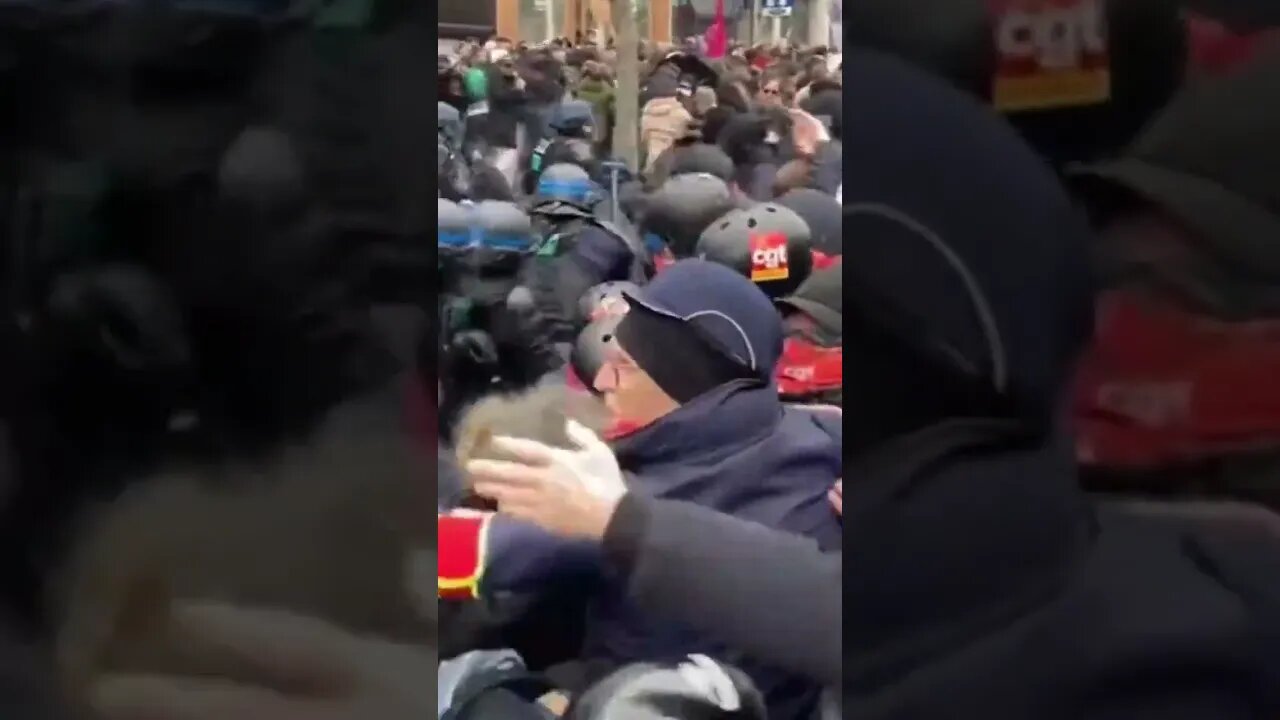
{"type": "Point", "coordinates": [807, 133]}
{"type": "Point", "coordinates": [836, 497]}
{"type": "Point", "coordinates": [568, 492]}
{"type": "Point", "coordinates": [305, 669]}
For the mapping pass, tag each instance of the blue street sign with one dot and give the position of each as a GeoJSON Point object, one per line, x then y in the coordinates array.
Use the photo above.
{"type": "Point", "coordinates": [776, 8]}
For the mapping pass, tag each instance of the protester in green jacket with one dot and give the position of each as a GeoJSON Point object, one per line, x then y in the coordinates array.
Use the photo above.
{"type": "Point", "coordinates": [597, 88]}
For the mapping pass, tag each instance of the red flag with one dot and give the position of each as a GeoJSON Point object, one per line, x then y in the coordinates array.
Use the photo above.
{"type": "Point", "coordinates": [822, 261]}
{"type": "Point", "coordinates": [718, 34]}
{"type": "Point", "coordinates": [461, 537]}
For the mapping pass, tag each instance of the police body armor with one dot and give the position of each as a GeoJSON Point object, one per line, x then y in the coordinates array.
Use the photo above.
{"type": "Point", "coordinates": [487, 342]}
{"type": "Point", "coordinates": [559, 223]}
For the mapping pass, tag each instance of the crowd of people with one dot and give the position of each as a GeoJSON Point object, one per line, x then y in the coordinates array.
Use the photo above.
{"type": "Point", "coordinates": [687, 308]}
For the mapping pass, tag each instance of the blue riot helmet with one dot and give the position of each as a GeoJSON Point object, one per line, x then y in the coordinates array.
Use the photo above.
{"type": "Point", "coordinates": [503, 239]}
{"type": "Point", "coordinates": [573, 119]}
{"type": "Point", "coordinates": [453, 226]}
{"type": "Point", "coordinates": [453, 242]}
{"type": "Point", "coordinates": [566, 183]}
{"type": "Point", "coordinates": [556, 151]}
{"type": "Point", "coordinates": [501, 227]}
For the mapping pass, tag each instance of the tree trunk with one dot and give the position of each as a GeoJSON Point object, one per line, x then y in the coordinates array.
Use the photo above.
{"type": "Point", "coordinates": [626, 131]}
{"type": "Point", "coordinates": [819, 22]}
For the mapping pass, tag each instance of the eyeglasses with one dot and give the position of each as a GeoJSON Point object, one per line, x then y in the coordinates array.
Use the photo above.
{"type": "Point", "coordinates": [617, 363]}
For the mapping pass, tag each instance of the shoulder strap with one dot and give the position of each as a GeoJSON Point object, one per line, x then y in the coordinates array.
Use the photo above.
{"type": "Point", "coordinates": [643, 265]}
{"type": "Point", "coordinates": [535, 162]}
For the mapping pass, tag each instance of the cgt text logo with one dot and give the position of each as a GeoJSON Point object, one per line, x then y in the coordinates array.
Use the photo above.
{"type": "Point", "coordinates": [769, 260]}
{"type": "Point", "coordinates": [1050, 53]}
{"type": "Point", "coordinates": [1055, 35]}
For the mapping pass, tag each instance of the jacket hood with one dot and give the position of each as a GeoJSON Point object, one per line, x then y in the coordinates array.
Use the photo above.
{"type": "Point", "coordinates": [662, 83]}
{"type": "Point", "coordinates": [982, 258]}
{"type": "Point", "coordinates": [536, 414]}
{"type": "Point", "coordinates": [664, 107]}
{"type": "Point", "coordinates": [595, 87]}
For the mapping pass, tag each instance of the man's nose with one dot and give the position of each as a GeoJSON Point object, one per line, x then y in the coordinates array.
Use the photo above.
{"type": "Point", "coordinates": [605, 379]}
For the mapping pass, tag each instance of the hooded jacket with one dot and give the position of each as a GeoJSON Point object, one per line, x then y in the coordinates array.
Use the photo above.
{"type": "Point", "coordinates": [662, 122]}
{"type": "Point", "coordinates": [982, 582]}
{"type": "Point", "coordinates": [734, 450]}
{"type": "Point", "coordinates": [662, 83]}
{"type": "Point", "coordinates": [743, 139]}
{"type": "Point", "coordinates": [601, 96]}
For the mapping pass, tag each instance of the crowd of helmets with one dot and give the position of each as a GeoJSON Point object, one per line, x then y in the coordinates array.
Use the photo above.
{"type": "Point", "coordinates": [523, 253]}
{"type": "Point", "coordinates": [485, 248]}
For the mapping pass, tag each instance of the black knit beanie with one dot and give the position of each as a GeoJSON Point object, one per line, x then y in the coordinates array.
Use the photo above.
{"type": "Point", "coordinates": [676, 356]}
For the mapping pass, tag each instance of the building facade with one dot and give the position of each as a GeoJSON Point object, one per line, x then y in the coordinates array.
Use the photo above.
{"type": "Point", "coordinates": [811, 21]}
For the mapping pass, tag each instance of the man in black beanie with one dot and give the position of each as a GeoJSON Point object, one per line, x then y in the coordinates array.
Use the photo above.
{"type": "Point", "coordinates": [657, 364]}
{"type": "Point", "coordinates": [688, 376]}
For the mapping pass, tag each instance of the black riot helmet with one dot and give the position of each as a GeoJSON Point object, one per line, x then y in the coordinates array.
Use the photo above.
{"type": "Point", "coordinates": [678, 212]}
{"type": "Point", "coordinates": [606, 298]}
{"type": "Point", "coordinates": [588, 354]}
{"type": "Point", "coordinates": [701, 158]}
{"type": "Point", "coordinates": [821, 212]}
{"type": "Point", "coordinates": [768, 243]}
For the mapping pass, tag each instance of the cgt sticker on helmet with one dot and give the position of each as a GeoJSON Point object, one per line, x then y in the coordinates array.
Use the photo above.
{"type": "Point", "coordinates": [769, 257]}
{"type": "Point", "coordinates": [1050, 54]}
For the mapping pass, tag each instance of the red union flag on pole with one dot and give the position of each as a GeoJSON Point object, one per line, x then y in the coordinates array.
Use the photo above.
{"type": "Point", "coordinates": [1050, 54]}
{"type": "Point", "coordinates": [718, 34]}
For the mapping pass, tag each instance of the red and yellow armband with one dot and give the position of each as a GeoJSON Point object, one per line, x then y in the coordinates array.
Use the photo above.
{"type": "Point", "coordinates": [462, 544]}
